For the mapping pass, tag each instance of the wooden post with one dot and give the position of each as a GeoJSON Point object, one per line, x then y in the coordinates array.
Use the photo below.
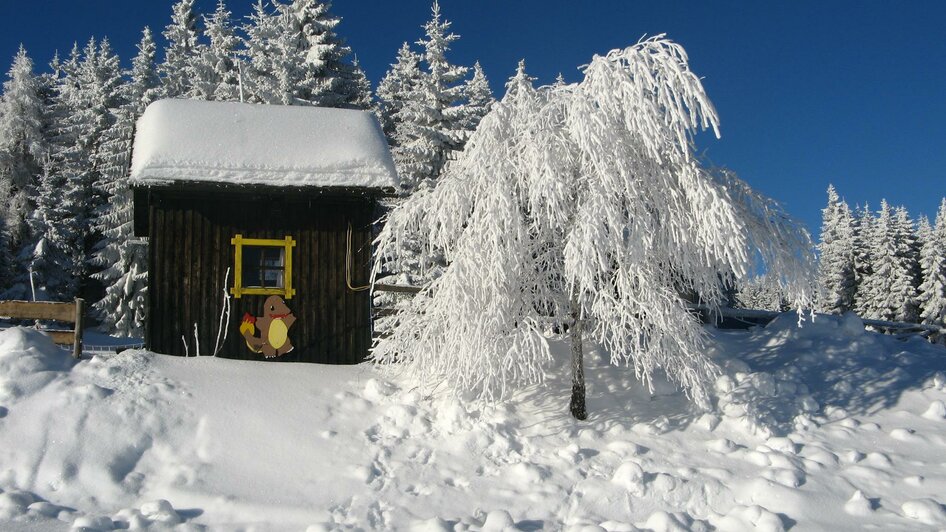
{"type": "Point", "coordinates": [80, 324]}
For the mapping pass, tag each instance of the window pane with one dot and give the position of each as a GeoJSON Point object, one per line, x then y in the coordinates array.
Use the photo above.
{"type": "Point", "coordinates": [263, 266]}
{"type": "Point", "coordinates": [252, 256]}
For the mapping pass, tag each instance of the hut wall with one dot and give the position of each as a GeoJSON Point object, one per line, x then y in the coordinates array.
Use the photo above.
{"type": "Point", "coordinates": [190, 252]}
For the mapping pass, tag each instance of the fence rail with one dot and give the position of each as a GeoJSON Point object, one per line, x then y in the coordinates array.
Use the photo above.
{"type": "Point", "coordinates": [44, 310]}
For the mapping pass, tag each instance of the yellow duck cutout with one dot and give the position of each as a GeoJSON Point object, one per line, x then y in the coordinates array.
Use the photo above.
{"type": "Point", "coordinates": [273, 327]}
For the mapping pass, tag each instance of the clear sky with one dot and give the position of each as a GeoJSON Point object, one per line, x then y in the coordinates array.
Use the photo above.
{"type": "Point", "coordinates": [809, 92]}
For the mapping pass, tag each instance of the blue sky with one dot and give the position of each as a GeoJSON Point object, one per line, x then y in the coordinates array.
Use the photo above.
{"type": "Point", "coordinates": [847, 92]}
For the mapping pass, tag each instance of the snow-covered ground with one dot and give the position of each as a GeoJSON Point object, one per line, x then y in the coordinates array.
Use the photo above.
{"type": "Point", "coordinates": [824, 427]}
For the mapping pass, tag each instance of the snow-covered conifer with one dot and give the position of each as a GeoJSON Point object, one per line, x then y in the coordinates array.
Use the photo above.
{"type": "Point", "coordinates": [479, 100]}
{"type": "Point", "coordinates": [396, 87]}
{"type": "Point", "coordinates": [215, 71]}
{"type": "Point", "coordinates": [863, 226]}
{"type": "Point", "coordinates": [361, 97]}
{"type": "Point", "coordinates": [22, 146]}
{"type": "Point", "coordinates": [888, 288]}
{"type": "Point", "coordinates": [181, 53]}
{"type": "Point", "coordinates": [122, 258]}
{"type": "Point", "coordinates": [273, 69]}
{"type": "Point", "coordinates": [908, 252]}
{"type": "Point", "coordinates": [836, 260]}
{"type": "Point", "coordinates": [330, 80]}
{"type": "Point", "coordinates": [584, 205]}
{"type": "Point", "coordinates": [428, 126]}
{"type": "Point", "coordinates": [932, 292]}
{"type": "Point", "coordinates": [761, 293]}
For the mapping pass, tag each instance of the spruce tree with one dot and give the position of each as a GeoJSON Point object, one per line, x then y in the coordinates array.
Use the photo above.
{"type": "Point", "coordinates": [836, 260]}
{"type": "Point", "coordinates": [478, 101]}
{"type": "Point", "coordinates": [863, 226]}
{"type": "Point", "coordinates": [274, 72]}
{"type": "Point", "coordinates": [396, 88]}
{"type": "Point", "coordinates": [22, 147]}
{"type": "Point", "coordinates": [329, 80]}
{"type": "Point", "coordinates": [888, 288]}
{"type": "Point", "coordinates": [215, 70]}
{"type": "Point", "coordinates": [908, 253]}
{"type": "Point", "coordinates": [932, 292]}
{"type": "Point", "coordinates": [123, 258]}
{"type": "Point", "coordinates": [181, 53]}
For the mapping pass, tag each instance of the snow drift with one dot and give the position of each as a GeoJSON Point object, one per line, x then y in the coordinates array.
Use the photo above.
{"type": "Point", "coordinates": [826, 426]}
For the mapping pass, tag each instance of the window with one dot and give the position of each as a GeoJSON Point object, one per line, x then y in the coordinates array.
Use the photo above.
{"type": "Point", "coordinates": [262, 266]}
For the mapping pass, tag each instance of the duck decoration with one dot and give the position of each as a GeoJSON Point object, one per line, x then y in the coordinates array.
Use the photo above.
{"type": "Point", "coordinates": [273, 328]}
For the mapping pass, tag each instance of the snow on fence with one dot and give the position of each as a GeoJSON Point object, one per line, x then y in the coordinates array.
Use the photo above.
{"type": "Point", "coordinates": [47, 310]}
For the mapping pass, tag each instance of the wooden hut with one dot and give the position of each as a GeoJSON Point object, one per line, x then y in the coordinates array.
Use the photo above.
{"type": "Point", "coordinates": [258, 219]}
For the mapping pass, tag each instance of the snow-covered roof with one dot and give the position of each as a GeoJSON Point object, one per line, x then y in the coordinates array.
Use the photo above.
{"type": "Point", "coordinates": [275, 145]}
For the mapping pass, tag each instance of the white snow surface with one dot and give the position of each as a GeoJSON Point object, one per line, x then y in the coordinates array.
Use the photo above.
{"type": "Point", "coordinates": [823, 427]}
{"type": "Point", "coordinates": [239, 143]}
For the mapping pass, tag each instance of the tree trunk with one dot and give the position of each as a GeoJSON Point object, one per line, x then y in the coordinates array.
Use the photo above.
{"type": "Point", "coordinates": [577, 406]}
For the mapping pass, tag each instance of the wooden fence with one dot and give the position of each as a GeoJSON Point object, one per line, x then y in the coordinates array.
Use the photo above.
{"type": "Point", "coordinates": [59, 312]}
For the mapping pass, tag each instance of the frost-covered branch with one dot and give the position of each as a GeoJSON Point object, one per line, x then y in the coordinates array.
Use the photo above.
{"type": "Point", "coordinates": [589, 190]}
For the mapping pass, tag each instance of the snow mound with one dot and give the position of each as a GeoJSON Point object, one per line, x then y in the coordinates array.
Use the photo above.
{"type": "Point", "coordinates": [239, 143]}
{"type": "Point", "coordinates": [26, 358]}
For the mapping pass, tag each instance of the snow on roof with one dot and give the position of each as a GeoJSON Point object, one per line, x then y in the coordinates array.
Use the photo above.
{"type": "Point", "coordinates": [239, 143]}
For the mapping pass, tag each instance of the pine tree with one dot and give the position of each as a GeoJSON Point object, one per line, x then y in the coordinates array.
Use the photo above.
{"type": "Point", "coordinates": [396, 87]}
{"type": "Point", "coordinates": [863, 227]}
{"type": "Point", "coordinates": [836, 261]}
{"type": "Point", "coordinates": [22, 147]}
{"type": "Point", "coordinates": [908, 253]}
{"type": "Point", "coordinates": [181, 53]}
{"type": "Point", "coordinates": [274, 71]}
{"type": "Point", "coordinates": [362, 98]}
{"type": "Point", "coordinates": [932, 292]}
{"type": "Point", "coordinates": [330, 81]}
{"type": "Point", "coordinates": [216, 76]}
{"type": "Point", "coordinates": [478, 101]}
{"type": "Point", "coordinates": [122, 258]}
{"type": "Point", "coordinates": [888, 288]}
{"type": "Point", "coordinates": [428, 127]}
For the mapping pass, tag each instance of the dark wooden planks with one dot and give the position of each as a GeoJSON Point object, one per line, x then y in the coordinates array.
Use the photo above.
{"type": "Point", "coordinates": [191, 251]}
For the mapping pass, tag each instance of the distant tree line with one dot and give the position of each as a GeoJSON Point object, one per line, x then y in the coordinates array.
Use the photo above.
{"type": "Point", "coordinates": [66, 135]}
{"type": "Point", "coordinates": [880, 264]}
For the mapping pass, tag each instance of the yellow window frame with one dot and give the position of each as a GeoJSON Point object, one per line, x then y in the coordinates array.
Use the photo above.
{"type": "Point", "coordinates": [287, 291]}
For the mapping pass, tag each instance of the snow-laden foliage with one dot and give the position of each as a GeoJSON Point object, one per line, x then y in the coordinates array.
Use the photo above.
{"type": "Point", "coordinates": [121, 257]}
{"type": "Point", "coordinates": [888, 292]}
{"type": "Point", "coordinates": [836, 260]}
{"type": "Point", "coordinates": [22, 147]}
{"type": "Point", "coordinates": [216, 75]}
{"type": "Point", "coordinates": [932, 292]}
{"type": "Point", "coordinates": [428, 119]}
{"type": "Point", "coordinates": [181, 52]}
{"type": "Point", "coordinates": [761, 293]}
{"type": "Point", "coordinates": [584, 198]}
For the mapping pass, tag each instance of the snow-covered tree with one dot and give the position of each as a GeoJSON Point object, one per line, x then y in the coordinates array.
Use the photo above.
{"type": "Point", "coordinates": [888, 288]}
{"type": "Point", "coordinates": [584, 205]}
{"type": "Point", "coordinates": [274, 67]}
{"type": "Point", "coordinates": [121, 257]}
{"type": "Point", "coordinates": [216, 76]}
{"type": "Point", "coordinates": [863, 227]}
{"type": "Point", "coordinates": [836, 260]}
{"type": "Point", "coordinates": [181, 52]}
{"type": "Point", "coordinates": [478, 100]}
{"type": "Point", "coordinates": [396, 87]}
{"type": "Point", "coordinates": [428, 127]}
{"type": "Point", "coordinates": [22, 147]}
{"type": "Point", "coordinates": [761, 293]}
{"type": "Point", "coordinates": [908, 252]}
{"type": "Point", "coordinates": [932, 292]}
{"type": "Point", "coordinates": [361, 97]}
{"type": "Point", "coordinates": [331, 81]}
